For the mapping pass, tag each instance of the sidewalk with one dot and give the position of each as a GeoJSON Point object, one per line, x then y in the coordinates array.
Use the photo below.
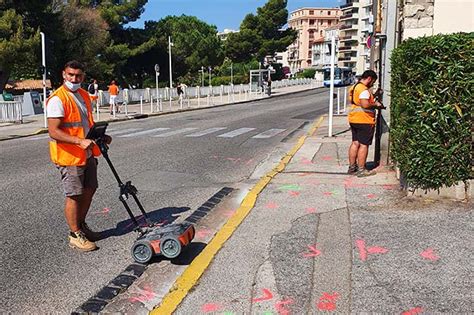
{"type": "Point", "coordinates": [35, 124]}
{"type": "Point", "coordinates": [320, 240]}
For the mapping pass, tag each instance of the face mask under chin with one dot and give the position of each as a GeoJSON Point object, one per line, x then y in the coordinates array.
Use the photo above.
{"type": "Point", "coordinates": [72, 86]}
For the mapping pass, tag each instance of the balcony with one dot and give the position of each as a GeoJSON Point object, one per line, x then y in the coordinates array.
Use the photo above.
{"type": "Point", "coordinates": [349, 38]}
{"type": "Point", "coordinates": [349, 16]}
{"type": "Point", "coordinates": [348, 27]}
{"type": "Point", "coordinates": [367, 5]}
{"type": "Point", "coordinates": [348, 4]}
{"type": "Point", "coordinates": [343, 49]}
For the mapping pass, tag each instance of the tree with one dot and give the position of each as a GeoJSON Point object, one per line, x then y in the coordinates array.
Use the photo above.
{"type": "Point", "coordinates": [195, 43]}
{"type": "Point", "coordinates": [262, 34]}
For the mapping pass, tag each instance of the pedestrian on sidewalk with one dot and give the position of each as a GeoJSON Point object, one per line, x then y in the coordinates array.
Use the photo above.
{"type": "Point", "coordinates": [362, 121]}
{"type": "Point", "coordinates": [69, 113]}
{"type": "Point", "coordinates": [93, 90]}
{"type": "Point", "coordinates": [113, 92]}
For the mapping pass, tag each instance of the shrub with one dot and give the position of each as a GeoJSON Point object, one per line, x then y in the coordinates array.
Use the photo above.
{"type": "Point", "coordinates": [307, 73]}
{"type": "Point", "coordinates": [431, 109]}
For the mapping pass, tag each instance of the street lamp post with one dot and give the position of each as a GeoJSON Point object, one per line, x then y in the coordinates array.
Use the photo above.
{"type": "Point", "coordinates": [171, 69]}
{"type": "Point", "coordinates": [210, 76]}
{"type": "Point", "coordinates": [157, 72]}
{"type": "Point", "coordinates": [231, 74]}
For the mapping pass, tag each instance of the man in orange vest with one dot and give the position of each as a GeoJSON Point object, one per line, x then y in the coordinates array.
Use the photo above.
{"type": "Point", "coordinates": [113, 92]}
{"type": "Point", "coordinates": [362, 121]}
{"type": "Point", "coordinates": [69, 113]}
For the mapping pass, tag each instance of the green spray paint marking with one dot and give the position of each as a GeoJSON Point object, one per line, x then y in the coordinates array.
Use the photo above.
{"type": "Point", "coordinates": [267, 313]}
{"type": "Point", "coordinates": [292, 187]}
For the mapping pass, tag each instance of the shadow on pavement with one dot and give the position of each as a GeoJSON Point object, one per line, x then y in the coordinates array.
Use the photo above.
{"type": "Point", "coordinates": [162, 216]}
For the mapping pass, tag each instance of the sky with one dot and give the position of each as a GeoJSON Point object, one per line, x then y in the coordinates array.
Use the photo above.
{"type": "Point", "coordinates": [225, 14]}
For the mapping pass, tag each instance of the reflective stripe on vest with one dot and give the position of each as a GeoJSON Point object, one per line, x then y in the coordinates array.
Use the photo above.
{"type": "Point", "coordinates": [357, 114]}
{"type": "Point", "coordinates": [68, 154]}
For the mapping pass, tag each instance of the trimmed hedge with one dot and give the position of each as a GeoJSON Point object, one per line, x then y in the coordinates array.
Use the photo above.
{"type": "Point", "coordinates": [432, 84]}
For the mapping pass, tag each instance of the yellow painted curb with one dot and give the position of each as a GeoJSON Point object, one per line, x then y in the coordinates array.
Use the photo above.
{"type": "Point", "coordinates": [194, 271]}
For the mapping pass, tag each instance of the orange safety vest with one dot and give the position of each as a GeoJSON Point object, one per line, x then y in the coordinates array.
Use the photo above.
{"type": "Point", "coordinates": [68, 154]}
{"type": "Point", "coordinates": [358, 114]}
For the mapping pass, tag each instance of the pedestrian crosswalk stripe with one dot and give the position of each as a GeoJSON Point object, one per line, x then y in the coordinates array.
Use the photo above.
{"type": "Point", "coordinates": [235, 133]}
{"type": "Point", "coordinates": [206, 132]}
{"type": "Point", "coordinates": [175, 132]}
{"type": "Point", "coordinates": [144, 132]}
{"type": "Point", "coordinates": [268, 134]}
{"type": "Point", "coordinates": [38, 137]}
{"type": "Point", "coordinates": [117, 132]}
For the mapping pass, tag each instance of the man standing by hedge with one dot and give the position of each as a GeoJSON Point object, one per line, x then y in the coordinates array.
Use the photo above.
{"type": "Point", "coordinates": [362, 121]}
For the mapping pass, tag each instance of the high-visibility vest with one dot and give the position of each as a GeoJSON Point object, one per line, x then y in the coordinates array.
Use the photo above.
{"type": "Point", "coordinates": [68, 154]}
{"type": "Point", "coordinates": [358, 114]}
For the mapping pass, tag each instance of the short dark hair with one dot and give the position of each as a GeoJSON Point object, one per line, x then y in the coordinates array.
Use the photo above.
{"type": "Point", "coordinates": [369, 74]}
{"type": "Point", "coordinates": [74, 64]}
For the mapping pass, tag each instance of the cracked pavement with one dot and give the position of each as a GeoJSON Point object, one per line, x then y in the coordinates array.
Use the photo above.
{"type": "Point", "coordinates": [319, 240]}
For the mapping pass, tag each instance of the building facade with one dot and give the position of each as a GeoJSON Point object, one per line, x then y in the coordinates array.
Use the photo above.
{"type": "Point", "coordinates": [357, 25]}
{"type": "Point", "coordinates": [322, 48]}
{"type": "Point", "coordinates": [310, 24]}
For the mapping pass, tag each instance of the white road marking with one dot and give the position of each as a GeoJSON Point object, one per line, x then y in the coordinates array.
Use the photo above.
{"type": "Point", "coordinates": [206, 132]}
{"type": "Point", "coordinates": [268, 134]}
{"type": "Point", "coordinates": [235, 133]}
{"type": "Point", "coordinates": [117, 132]}
{"type": "Point", "coordinates": [144, 132]}
{"type": "Point", "coordinates": [175, 132]}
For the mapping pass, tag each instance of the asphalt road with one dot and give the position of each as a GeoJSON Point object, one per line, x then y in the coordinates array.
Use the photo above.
{"type": "Point", "coordinates": [176, 161]}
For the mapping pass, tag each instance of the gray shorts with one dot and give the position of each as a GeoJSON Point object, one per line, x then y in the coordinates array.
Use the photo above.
{"type": "Point", "coordinates": [76, 178]}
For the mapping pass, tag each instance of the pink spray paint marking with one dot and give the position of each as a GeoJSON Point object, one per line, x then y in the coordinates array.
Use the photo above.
{"type": "Point", "coordinates": [304, 174]}
{"type": "Point", "coordinates": [327, 193]}
{"type": "Point", "coordinates": [202, 233]}
{"type": "Point", "coordinates": [271, 205]}
{"type": "Point", "coordinates": [229, 213]}
{"type": "Point", "coordinates": [370, 196]}
{"type": "Point", "coordinates": [429, 254]}
{"type": "Point", "coordinates": [267, 295]}
{"type": "Point", "coordinates": [145, 295]}
{"type": "Point", "coordinates": [326, 158]}
{"type": "Point", "coordinates": [280, 306]}
{"type": "Point", "coordinates": [313, 252]}
{"type": "Point", "coordinates": [249, 162]}
{"type": "Point", "coordinates": [413, 311]}
{"type": "Point", "coordinates": [363, 250]}
{"type": "Point", "coordinates": [310, 210]}
{"type": "Point", "coordinates": [294, 193]}
{"type": "Point", "coordinates": [389, 187]}
{"type": "Point", "coordinates": [210, 307]}
{"type": "Point", "coordinates": [327, 302]}
{"type": "Point", "coordinates": [306, 161]}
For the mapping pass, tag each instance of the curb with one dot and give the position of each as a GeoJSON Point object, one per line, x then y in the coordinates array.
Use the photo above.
{"type": "Point", "coordinates": [45, 130]}
{"type": "Point", "coordinates": [188, 279]}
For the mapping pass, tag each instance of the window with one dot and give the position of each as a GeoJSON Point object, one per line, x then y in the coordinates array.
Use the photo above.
{"type": "Point", "coordinates": [329, 12]}
{"type": "Point", "coordinates": [311, 12]}
{"type": "Point", "coordinates": [311, 22]}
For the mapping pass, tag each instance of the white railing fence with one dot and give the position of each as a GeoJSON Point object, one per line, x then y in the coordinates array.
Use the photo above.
{"type": "Point", "coordinates": [11, 112]}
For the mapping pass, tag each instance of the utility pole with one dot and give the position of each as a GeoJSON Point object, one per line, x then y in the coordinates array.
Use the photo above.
{"type": "Point", "coordinates": [43, 63]}
{"type": "Point", "coordinates": [171, 68]}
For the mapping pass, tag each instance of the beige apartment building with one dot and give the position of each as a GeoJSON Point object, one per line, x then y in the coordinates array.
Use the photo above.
{"type": "Point", "coordinates": [310, 24]}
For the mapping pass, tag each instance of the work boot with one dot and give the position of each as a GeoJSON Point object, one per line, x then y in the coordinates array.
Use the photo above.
{"type": "Point", "coordinates": [79, 240]}
{"type": "Point", "coordinates": [91, 235]}
{"type": "Point", "coordinates": [353, 169]}
{"type": "Point", "coordinates": [365, 172]}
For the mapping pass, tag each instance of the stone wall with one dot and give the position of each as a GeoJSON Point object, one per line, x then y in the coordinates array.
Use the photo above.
{"type": "Point", "coordinates": [418, 18]}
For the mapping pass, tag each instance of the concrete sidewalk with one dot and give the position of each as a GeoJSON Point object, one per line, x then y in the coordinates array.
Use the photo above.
{"type": "Point", "coordinates": [320, 240]}
{"type": "Point", "coordinates": [33, 125]}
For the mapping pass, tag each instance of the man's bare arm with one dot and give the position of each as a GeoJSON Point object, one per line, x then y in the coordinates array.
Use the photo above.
{"type": "Point", "coordinates": [57, 134]}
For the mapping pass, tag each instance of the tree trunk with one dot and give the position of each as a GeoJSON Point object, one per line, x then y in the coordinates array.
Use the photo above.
{"type": "Point", "coordinates": [4, 74]}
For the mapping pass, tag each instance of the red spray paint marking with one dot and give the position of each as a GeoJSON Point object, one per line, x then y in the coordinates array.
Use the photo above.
{"type": "Point", "coordinates": [215, 157]}
{"type": "Point", "coordinates": [294, 193]}
{"type": "Point", "coordinates": [280, 306]}
{"type": "Point", "coordinates": [349, 183]}
{"type": "Point", "coordinates": [306, 161]}
{"type": "Point", "coordinates": [389, 187]}
{"type": "Point", "coordinates": [249, 162]}
{"type": "Point", "coordinates": [314, 252]}
{"type": "Point", "coordinates": [310, 210]}
{"type": "Point", "coordinates": [363, 250]}
{"type": "Point", "coordinates": [267, 295]}
{"type": "Point", "coordinates": [413, 311]}
{"type": "Point", "coordinates": [304, 174]}
{"type": "Point", "coordinates": [146, 294]}
{"type": "Point", "coordinates": [327, 193]}
{"type": "Point", "coordinates": [210, 307]}
{"type": "Point", "coordinates": [429, 254]}
{"type": "Point", "coordinates": [327, 302]}
{"type": "Point", "coordinates": [271, 205]}
{"type": "Point", "coordinates": [104, 211]}
{"type": "Point", "coordinates": [370, 196]}
{"type": "Point", "coordinates": [229, 213]}
{"type": "Point", "coordinates": [234, 160]}
{"type": "Point", "coordinates": [327, 158]}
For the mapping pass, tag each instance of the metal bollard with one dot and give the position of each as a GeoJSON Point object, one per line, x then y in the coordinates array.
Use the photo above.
{"type": "Point", "coordinates": [141, 104]}
{"type": "Point", "coordinates": [338, 100]}
{"type": "Point", "coordinates": [198, 92]}
{"type": "Point", "coordinates": [151, 104]}
{"type": "Point", "coordinates": [345, 99]}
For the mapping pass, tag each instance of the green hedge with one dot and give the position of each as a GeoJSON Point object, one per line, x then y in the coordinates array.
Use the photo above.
{"type": "Point", "coordinates": [431, 109]}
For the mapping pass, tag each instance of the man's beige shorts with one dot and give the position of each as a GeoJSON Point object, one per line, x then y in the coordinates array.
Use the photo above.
{"type": "Point", "coordinates": [76, 178]}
